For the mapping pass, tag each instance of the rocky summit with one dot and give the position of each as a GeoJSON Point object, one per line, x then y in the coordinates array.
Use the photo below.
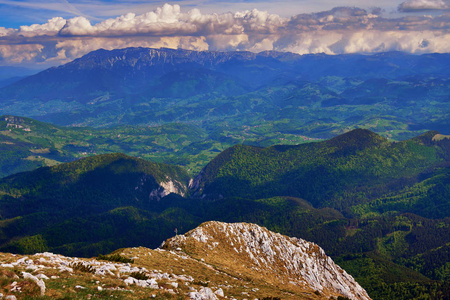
{"type": "Point", "coordinates": [250, 251]}
{"type": "Point", "coordinates": [214, 261]}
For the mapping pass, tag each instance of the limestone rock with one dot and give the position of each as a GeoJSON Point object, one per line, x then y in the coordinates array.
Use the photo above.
{"type": "Point", "coordinates": [269, 256]}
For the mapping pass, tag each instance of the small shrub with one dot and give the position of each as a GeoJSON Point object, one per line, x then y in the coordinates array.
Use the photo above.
{"type": "Point", "coordinates": [202, 283]}
{"type": "Point", "coordinates": [139, 275]}
{"type": "Point", "coordinates": [79, 266]}
{"type": "Point", "coordinates": [115, 258]}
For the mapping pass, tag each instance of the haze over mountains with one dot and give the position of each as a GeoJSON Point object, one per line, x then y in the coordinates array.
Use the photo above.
{"type": "Point", "coordinates": [320, 94]}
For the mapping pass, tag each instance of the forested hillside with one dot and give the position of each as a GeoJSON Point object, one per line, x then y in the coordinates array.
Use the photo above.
{"type": "Point", "coordinates": [342, 172]}
{"type": "Point", "coordinates": [72, 205]}
{"type": "Point", "coordinates": [26, 144]}
{"type": "Point", "coordinates": [379, 208]}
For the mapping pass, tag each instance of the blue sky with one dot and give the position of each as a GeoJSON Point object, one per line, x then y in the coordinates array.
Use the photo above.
{"type": "Point", "coordinates": [51, 32]}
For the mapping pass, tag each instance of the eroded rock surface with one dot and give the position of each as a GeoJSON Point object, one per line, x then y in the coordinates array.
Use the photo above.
{"type": "Point", "coordinates": [277, 258]}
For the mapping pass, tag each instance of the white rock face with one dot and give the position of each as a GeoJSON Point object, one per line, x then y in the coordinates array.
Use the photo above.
{"type": "Point", "coordinates": [150, 283]}
{"type": "Point", "coordinates": [219, 292]}
{"type": "Point", "coordinates": [167, 187]}
{"type": "Point", "coordinates": [204, 294]}
{"type": "Point", "coordinates": [300, 262]}
{"type": "Point", "coordinates": [194, 184]}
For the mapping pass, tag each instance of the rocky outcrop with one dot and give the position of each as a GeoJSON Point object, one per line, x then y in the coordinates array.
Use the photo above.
{"type": "Point", "coordinates": [214, 261]}
{"type": "Point", "coordinates": [71, 267]}
{"type": "Point", "coordinates": [167, 187]}
{"type": "Point", "coordinates": [158, 190]}
{"type": "Point", "coordinates": [270, 256]}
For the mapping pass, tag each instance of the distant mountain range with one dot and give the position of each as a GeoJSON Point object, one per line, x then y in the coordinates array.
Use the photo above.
{"type": "Point", "coordinates": [10, 75]}
{"type": "Point", "coordinates": [318, 95]}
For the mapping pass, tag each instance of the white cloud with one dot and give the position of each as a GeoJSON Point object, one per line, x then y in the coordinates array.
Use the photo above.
{"type": "Point", "coordinates": [188, 43]}
{"type": "Point", "coordinates": [78, 26]}
{"type": "Point", "coordinates": [4, 32]}
{"type": "Point", "coordinates": [311, 42]}
{"type": "Point", "coordinates": [20, 53]}
{"type": "Point", "coordinates": [223, 42]}
{"type": "Point", "coordinates": [340, 30]}
{"type": "Point", "coordinates": [420, 5]}
{"type": "Point", "coordinates": [52, 27]}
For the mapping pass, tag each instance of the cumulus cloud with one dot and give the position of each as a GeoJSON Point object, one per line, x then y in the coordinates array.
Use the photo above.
{"type": "Point", "coordinates": [52, 27]}
{"type": "Point", "coordinates": [20, 53]}
{"type": "Point", "coordinates": [340, 30]}
{"type": "Point", "coordinates": [422, 5]}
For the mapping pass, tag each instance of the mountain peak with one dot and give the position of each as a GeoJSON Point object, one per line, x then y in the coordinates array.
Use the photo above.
{"type": "Point", "coordinates": [254, 251]}
{"type": "Point", "coordinates": [356, 139]}
{"type": "Point", "coordinates": [254, 263]}
{"type": "Point", "coordinates": [427, 138]}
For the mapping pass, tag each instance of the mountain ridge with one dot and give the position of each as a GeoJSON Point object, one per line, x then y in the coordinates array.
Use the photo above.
{"type": "Point", "coordinates": [171, 272]}
{"type": "Point", "coordinates": [144, 86]}
{"type": "Point", "coordinates": [345, 161]}
{"type": "Point", "coordinates": [262, 252]}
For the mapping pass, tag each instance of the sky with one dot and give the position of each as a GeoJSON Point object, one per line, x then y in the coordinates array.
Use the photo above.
{"type": "Point", "coordinates": [42, 33]}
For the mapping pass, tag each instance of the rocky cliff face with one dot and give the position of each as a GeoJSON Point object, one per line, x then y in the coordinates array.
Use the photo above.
{"type": "Point", "coordinates": [259, 253]}
{"type": "Point", "coordinates": [167, 187]}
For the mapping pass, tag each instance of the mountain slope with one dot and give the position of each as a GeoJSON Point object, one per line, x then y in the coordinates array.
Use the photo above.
{"type": "Point", "coordinates": [340, 172]}
{"type": "Point", "coordinates": [84, 196]}
{"type": "Point", "coordinates": [191, 271]}
{"type": "Point", "coordinates": [313, 95]}
{"type": "Point", "coordinates": [250, 250]}
{"type": "Point", "coordinates": [109, 174]}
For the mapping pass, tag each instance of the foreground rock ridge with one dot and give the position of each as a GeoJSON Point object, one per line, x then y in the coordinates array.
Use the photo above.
{"type": "Point", "coordinates": [278, 259]}
{"type": "Point", "coordinates": [214, 261]}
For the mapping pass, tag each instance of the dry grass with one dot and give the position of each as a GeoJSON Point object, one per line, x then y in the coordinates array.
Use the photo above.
{"type": "Point", "coordinates": [247, 276]}
{"type": "Point", "coordinates": [439, 137]}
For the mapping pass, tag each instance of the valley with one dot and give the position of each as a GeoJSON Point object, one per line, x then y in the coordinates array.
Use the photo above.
{"type": "Point", "coordinates": [317, 96]}
{"type": "Point", "coordinates": [27, 144]}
